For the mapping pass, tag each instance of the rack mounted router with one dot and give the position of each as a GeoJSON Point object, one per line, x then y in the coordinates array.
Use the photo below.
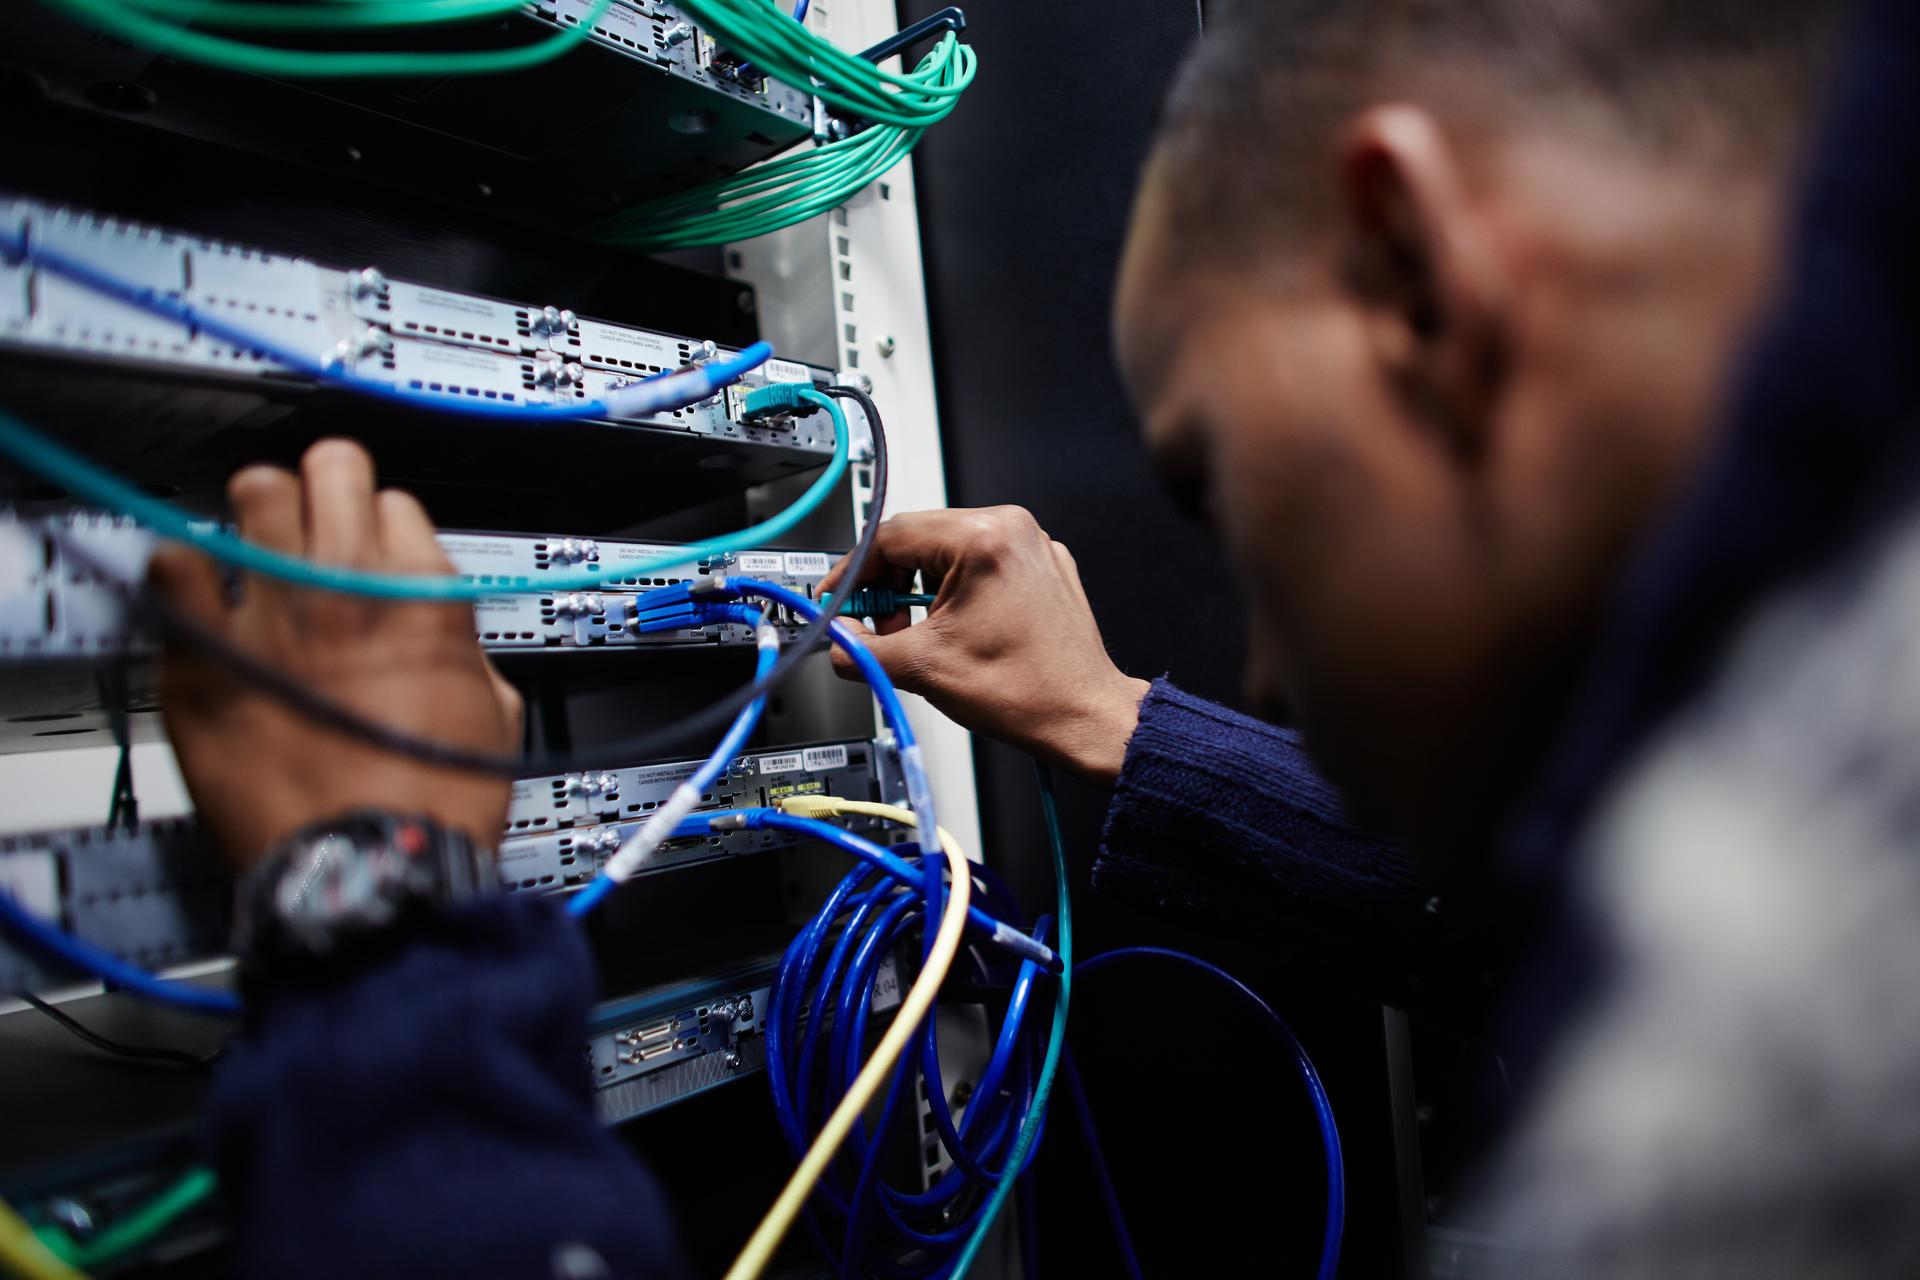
{"type": "Point", "coordinates": [149, 395]}
{"type": "Point", "coordinates": [639, 107]}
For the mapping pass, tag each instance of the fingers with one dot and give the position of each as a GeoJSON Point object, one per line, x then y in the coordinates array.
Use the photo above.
{"type": "Point", "coordinates": [268, 508]}
{"type": "Point", "coordinates": [341, 525]}
{"type": "Point", "coordinates": [406, 536]}
{"type": "Point", "coordinates": [191, 584]}
{"type": "Point", "coordinates": [934, 542]}
{"type": "Point", "coordinates": [513, 708]}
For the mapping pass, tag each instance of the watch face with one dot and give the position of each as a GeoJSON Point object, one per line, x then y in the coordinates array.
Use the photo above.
{"type": "Point", "coordinates": [342, 878]}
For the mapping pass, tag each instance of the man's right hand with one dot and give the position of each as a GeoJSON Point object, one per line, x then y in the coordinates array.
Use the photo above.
{"type": "Point", "coordinates": [1009, 647]}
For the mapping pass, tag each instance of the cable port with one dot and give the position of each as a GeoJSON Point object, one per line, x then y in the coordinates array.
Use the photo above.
{"type": "Point", "coordinates": [637, 1055]}
{"type": "Point", "coordinates": [647, 1035]}
{"type": "Point", "coordinates": [775, 400]}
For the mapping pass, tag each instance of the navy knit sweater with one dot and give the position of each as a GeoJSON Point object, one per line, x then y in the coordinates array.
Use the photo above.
{"type": "Point", "coordinates": [1222, 816]}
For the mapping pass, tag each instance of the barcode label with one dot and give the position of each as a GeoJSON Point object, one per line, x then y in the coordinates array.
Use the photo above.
{"type": "Point", "coordinates": [760, 562]}
{"type": "Point", "coordinates": [818, 758]}
{"type": "Point", "coordinates": [808, 564]}
{"type": "Point", "coordinates": [787, 762]}
{"type": "Point", "coordinates": [787, 371]}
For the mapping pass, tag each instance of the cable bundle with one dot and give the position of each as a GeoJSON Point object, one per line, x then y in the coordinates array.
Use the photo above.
{"type": "Point", "coordinates": [815, 1048]}
{"type": "Point", "coordinates": [893, 108]}
{"type": "Point", "coordinates": [161, 24]}
{"type": "Point", "coordinates": [795, 187]}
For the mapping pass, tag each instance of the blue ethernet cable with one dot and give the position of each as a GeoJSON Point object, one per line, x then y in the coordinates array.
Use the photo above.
{"type": "Point", "coordinates": [659, 394]}
{"type": "Point", "coordinates": [53, 941]}
{"type": "Point", "coordinates": [912, 764]}
{"type": "Point", "coordinates": [1102, 1175]}
{"type": "Point", "coordinates": [724, 588]}
{"type": "Point", "coordinates": [1335, 1221]}
{"type": "Point", "coordinates": [99, 487]}
{"type": "Point", "coordinates": [1028, 1139]}
{"type": "Point", "coordinates": [919, 1222]}
{"type": "Point", "coordinates": [660, 828]}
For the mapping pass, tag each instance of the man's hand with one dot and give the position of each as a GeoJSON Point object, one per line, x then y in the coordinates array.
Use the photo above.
{"type": "Point", "coordinates": [1009, 647]}
{"type": "Point", "coordinates": [257, 769]}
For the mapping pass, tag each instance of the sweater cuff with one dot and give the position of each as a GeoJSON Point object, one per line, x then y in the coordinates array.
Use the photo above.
{"type": "Point", "coordinates": [1224, 814]}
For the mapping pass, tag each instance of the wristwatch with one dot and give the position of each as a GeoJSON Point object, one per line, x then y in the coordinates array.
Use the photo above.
{"type": "Point", "coordinates": [337, 886]}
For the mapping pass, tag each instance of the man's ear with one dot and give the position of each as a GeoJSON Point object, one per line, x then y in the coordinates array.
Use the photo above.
{"type": "Point", "coordinates": [1421, 264]}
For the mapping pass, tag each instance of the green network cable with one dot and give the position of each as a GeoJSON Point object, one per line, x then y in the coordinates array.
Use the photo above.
{"type": "Point", "coordinates": [98, 487]}
{"type": "Point", "coordinates": [146, 22]}
{"type": "Point", "coordinates": [791, 188]}
{"type": "Point", "coordinates": [136, 1229]}
{"type": "Point", "coordinates": [894, 108]}
{"type": "Point", "coordinates": [758, 32]}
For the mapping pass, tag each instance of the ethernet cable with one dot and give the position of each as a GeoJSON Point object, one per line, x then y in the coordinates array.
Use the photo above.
{"type": "Point", "coordinates": [22, 1253]}
{"type": "Point", "coordinates": [719, 587]}
{"type": "Point", "coordinates": [878, 602]}
{"type": "Point", "coordinates": [1335, 1217]}
{"type": "Point", "coordinates": [1056, 1036]}
{"type": "Point", "coordinates": [135, 1229]}
{"type": "Point", "coordinates": [99, 487]}
{"type": "Point", "coordinates": [645, 398]}
{"type": "Point", "coordinates": [754, 32]}
{"type": "Point", "coordinates": [793, 188]}
{"type": "Point", "coordinates": [914, 1008]}
{"type": "Point", "coordinates": [159, 25]}
{"type": "Point", "coordinates": [669, 600]}
{"type": "Point", "coordinates": [893, 109]}
{"type": "Point", "coordinates": [873, 919]}
{"type": "Point", "coordinates": [322, 710]}
{"type": "Point", "coordinates": [40, 935]}
{"type": "Point", "coordinates": [659, 826]}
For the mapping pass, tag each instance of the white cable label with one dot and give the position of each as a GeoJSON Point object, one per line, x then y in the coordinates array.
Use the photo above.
{"type": "Point", "coordinates": [786, 762]}
{"type": "Point", "coordinates": [808, 564]}
{"type": "Point", "coordinates": [886, 985]}
{"type": "Point", "coordinates": [818, 758]}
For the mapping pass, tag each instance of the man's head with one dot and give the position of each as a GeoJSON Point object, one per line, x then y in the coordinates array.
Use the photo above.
{"type": "Point", "coordinates": [1427, 304]}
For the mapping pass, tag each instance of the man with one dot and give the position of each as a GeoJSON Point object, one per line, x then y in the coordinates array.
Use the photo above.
{"type": "Point", "coordinates": [1428, 306]}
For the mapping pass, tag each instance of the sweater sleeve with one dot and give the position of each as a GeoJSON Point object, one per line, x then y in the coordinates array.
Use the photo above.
{"type": "Point", "coordinates": [1222, 817]}
{"type": "Point", "coordinates": [427, 1113]}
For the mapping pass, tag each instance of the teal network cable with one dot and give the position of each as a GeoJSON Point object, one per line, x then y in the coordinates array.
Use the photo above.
{"type": "Point", "coordinates": [1056, 1038]}
{"type": "Point", "coordinates": [159, 25]}
{"type": "Point", "coordinates": [793, 188]}
{"type": "Point", "coordinates": [98, 487]}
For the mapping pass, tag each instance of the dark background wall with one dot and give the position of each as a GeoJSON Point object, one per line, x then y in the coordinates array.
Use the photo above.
{"type": "Point", "coordinates": [1024, 193]}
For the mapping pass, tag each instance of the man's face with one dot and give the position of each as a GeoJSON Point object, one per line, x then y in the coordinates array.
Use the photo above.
{"type": "Point", "coordinates": [1419, 595]}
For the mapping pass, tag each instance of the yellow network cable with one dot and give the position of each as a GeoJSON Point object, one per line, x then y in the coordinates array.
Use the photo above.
{"type": "Point", "coordinates": [835, 807]}
{"type": "Point", "coordinates": [22, 1254]}
{"type": "Point", "coordinates": [773, 1228]}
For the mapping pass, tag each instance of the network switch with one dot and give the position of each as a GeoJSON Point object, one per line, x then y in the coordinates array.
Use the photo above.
{"type": "Point", "coordinates": [64, 593]}
{"type": "Point", "coordinates": [562, 830]}
{"type": "Point", "coordinates": [156, 895]}
{"type": "Point", "coordinates": [647, 103]}
{"type": "Point", "coordinates": [658, 1047]}
{"type": "Point", "coordinates": [400, 334]}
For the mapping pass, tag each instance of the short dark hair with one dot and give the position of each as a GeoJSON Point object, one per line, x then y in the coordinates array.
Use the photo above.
{"type": "Point", "coordinates": [1252, 112]}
